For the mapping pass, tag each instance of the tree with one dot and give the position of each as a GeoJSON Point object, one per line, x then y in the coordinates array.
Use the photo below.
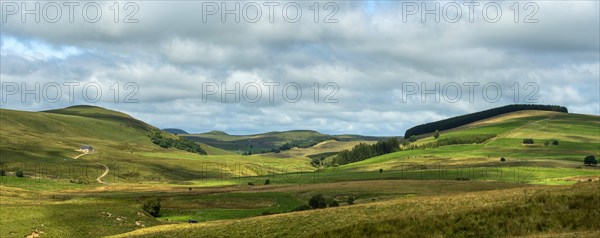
{"type": "Point", "coordinates": [436, 134]}
{"type": "Point", "coordinates": [267, 182]}
{"type": "Point", "coordinates": [316, 162]}
{"type": "Point", "coordinates": [590, 160]}
{"type": "Point", "coordinates": [380, 170]}
{"type": "Point", "coordinates": [555, 142]}
{"type": "Point", "coordinates": [334, 203]}
{"type": "Point", "coordinates": [412, 138]}
{"type": "Point", "coordinates": [546, 143]}
{"type": "Point", "coordinates": [20, 173]}
{"type": "Point", "coordinates": [317, 201]}
{"type": "Point", "coordinates": [528, 141]}
{"type": "Point", "coordinates": [502, 159]}
{"type": "Point", "coordinates": [2, 172]}
{"type": "Point", "coordinates": [152, 207]}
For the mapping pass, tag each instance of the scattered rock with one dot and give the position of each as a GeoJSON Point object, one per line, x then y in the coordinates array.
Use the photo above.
{"type": "Point", "coordinates": [139, 223]}
{"type": "Point", "coordinates": [35, 233]}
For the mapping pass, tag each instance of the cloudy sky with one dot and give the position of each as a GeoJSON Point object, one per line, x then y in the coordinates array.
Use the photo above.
{"type": "Point", "coordinates": [360, 67]}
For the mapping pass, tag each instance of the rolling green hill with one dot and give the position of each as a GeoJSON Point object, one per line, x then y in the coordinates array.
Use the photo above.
{"type": "Point", "coordinates": [265, 142]}
{"type": "Point", "coordinates": [175, 131]}
{"type": "Point", "coordinates": [449, 190]}
{"type": "Point", "coordinates": [37, 141]}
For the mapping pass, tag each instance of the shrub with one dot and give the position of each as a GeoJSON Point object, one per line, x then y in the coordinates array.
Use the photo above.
{"type": "Point", "coordinates": [334, 203]}
{"type": "Point", "coordinates": [546, 143]}
{"type": "Point", "coordinates": [590, 160]}
{"type": "Point", "coordinates": [20, 173]}
{"type": "Point", "coordinates": [412, 138]}
{"type": "Point", "coordinates": [462, 179]}
{"type": "Point", "coordinates": [528, 141]}
{"type": "Point", "coordinates": [316, 162]}
{"type": "Point", "coordinates": [2, 172]}
{"type": "Point", "coordinates": [502, 159]}
{"type": "Point", "coordinates": [152, 207]}
{"type": "Point", "coordinates": [380, 170]}
{"type": "Point", "coordinates": [301, 208]}
{"type": "Point", "coordinates": [267, 182]}
{"type": "Point", "coordinates": [251, 183]}
{"type": "Point", "coordinates": [79, 181]}
{"type": "Point", "coordinates": [554, 142]}
{"type": "Point", "coordinates": [436, 134]}
{"type": "Point", "coordinates": [317, 201]}
{"type": "Point", "coordinates": [350, 200]}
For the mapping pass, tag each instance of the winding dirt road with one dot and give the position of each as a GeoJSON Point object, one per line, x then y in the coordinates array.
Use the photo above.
{"type": "Point", "coordinates": [99, 179]}
{"type": "Point", "coordinates": [106, 169]}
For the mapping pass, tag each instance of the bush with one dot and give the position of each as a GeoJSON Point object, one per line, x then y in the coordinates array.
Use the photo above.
{"type": "Point", "coordinates": [412, 138]}
{"type": "Point", "coordinates": [502, 159]}
{"type": "Point", "coordinates": [20, 173]}
{"type": "Point", "coordinates": [462, 179]}
{"type": "Point", "coordinates": [546, 143]}
{"type": "Point", "coordinates": [2, 172]}
{"type": "Point", "coordinates": [528, 141]}
{"type": "Point", "coordinates": [334, 203]}
{"type": "Point", "coordinates": [317, 201]}
{"type": "Point", "coordinates": [380, 170]}
{"type": "Point", "coordinates": [350, 200]}
{"type": "Point", "coordinates": [316, 162]}
{"type": "Point", "coordinates": [267, 182]}
{"type": "Point", "coordinates": [152, 207]}
{"type": "Point", "coordinates": [251, 183]}
{"type": "Point", "coordinates": [554, 142]}
{"type": "Point", "coordinates": [301, 208]}
{"type": "Point", "coordinates": [590, 160]}
{"type": "Point", "coordinates": [436, 134]}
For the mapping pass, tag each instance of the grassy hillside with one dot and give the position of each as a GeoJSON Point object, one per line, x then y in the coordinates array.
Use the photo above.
{"type": "Point", "coordinates": [578, 136]}
{"type": "Point", "coordinates": [497, 213]}
{"type": "Point", "coordinates": [259, 143]}
{"type": "Point", "coordinates": [456, 190]}
{"type": "Point", "coordinates": [44, 144]}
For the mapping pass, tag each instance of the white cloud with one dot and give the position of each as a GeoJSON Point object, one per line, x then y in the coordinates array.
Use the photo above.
{"type": "Point", "coordinates": [368, 54]}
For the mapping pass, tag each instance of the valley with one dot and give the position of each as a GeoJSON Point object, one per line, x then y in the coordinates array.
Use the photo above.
{"type": "Point", "coordinates": [417, 190]}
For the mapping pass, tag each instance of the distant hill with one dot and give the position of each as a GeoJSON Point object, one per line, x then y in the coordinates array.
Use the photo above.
{"type": "Point", "coordinates": [270, 141]}
{"type": "Point", "coordinates": [175, 131]}
{"type": "Point", "coordinates": [462, 120]}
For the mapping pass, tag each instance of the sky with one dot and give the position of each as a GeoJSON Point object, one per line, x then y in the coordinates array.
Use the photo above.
{"type": "Point", "coordinates": [347, 67]}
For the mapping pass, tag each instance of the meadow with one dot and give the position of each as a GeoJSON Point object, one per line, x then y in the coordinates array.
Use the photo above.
{"type": "Point", "coordinates": [455, 190]}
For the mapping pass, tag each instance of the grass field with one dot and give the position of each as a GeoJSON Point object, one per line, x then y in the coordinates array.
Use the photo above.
{"type": "Point", "coordinates": [457, 190]}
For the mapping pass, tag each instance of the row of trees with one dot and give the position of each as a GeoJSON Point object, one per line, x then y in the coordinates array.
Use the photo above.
{"type": "Point", "coordinates": [180, 143]}
{"type": "Point", "coordinates": [363, 151]}
{"type": "Point", "coordinates": [468, 118]}
{"type": "Point", "coordinates": [454, 140]}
